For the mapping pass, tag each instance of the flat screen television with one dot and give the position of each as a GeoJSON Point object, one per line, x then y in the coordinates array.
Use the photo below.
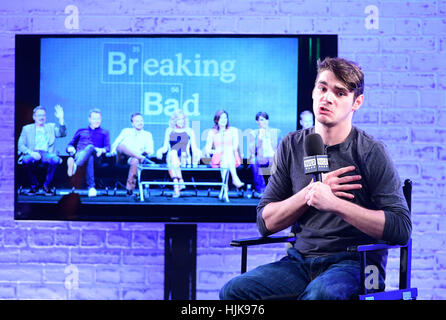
{"type": "Point", "coordinates": [155, 75]}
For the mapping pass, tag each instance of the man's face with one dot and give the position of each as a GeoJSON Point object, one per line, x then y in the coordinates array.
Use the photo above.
{"type": "Point", "coordinates": [39, 117]}
{"type": "Point", "coordinates": [333, 104]}
{"type": "Point", "coordinates": [306, 121]}
{"type": "Point", "coordinates": [262, 122]}
{"type": "Point", "coordinates": [138, 122]}
{"type": "Point", "coordinates": [95, 120]}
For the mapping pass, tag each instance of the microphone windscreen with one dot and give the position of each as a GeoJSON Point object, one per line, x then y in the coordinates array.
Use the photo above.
{"type": "Point", "coordinates": [314, 145]}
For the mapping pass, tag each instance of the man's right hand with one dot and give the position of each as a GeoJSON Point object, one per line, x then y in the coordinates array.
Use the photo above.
{"type": "Point", "coordinates": [71, 150]}
{"type": "Point", "coordinates": [36, 156]}
{"type": "Point", "coordinates": [338, 185]}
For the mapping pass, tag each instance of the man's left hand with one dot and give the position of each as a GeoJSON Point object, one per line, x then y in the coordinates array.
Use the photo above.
{"type": "Point", "coordinates": [99, 151]}
{"type": "Point", "coordinates": [341, 185]}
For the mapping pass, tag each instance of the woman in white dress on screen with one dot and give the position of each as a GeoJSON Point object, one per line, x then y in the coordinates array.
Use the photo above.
{"type": "Point", "coordinates": [222, 143]}
{"type": "Point", "coordinates": [179, 141]}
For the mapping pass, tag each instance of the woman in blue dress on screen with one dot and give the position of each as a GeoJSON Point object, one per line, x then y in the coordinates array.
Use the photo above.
{"type": "Point", "coordinates": [222, 143]}
{"type": "Point", "coordinates": [179, 141]}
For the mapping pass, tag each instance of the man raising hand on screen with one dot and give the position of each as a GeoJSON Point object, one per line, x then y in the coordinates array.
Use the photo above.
{"type": "Point", "coordinates": [331, 215]}
{"type": "Point", "coordinates": [36, 145]}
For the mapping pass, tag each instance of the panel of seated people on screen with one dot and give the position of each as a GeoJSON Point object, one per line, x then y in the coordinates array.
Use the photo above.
{"type": "Point", "coordinates": [221, 163]}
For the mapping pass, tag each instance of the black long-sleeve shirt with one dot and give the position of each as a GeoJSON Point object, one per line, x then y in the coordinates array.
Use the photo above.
{"type": "Point", "coordinates": [100, 138]}
{"type": "Point", "coordinates": [321, 233]}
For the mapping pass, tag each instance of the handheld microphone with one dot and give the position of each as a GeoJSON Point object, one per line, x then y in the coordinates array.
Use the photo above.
{"type": "Point", "coordinates": [316, 161]}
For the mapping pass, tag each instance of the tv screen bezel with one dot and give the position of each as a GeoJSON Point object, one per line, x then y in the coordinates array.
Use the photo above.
{"type": "Point", "coordinates": [27, 87]}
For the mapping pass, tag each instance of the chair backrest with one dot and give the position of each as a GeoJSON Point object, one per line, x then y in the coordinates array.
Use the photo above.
{"type": "Point", "coordinates": [405, 290]}
{"type": "Point", "coordinates": [406, 252]}
{"type": "Point", "coordinates": [407, 190]}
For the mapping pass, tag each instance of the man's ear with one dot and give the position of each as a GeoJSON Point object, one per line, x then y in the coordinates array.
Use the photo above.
{"type": "Point", "coordinates": [312, 92]}
{"type": "Point", "coordinates": [358, 102]}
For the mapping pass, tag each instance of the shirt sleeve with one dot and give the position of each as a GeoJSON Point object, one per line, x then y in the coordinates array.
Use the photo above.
{"type": "Point", "coordinates": [60, 130]}
{"type": "Point", "coordinates": [387, 195]}
{"type": "Point", "coordinates": [23, 142]}
{"type": "Point", "coordinates": [118, 140]}
{"type": "Point", "coordinates": [75, 140]}
{"type": "Point", "coordinates": [279, 185]}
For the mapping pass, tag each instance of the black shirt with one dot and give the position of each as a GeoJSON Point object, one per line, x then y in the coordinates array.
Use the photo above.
{"type": "Point", "coordinates": [321, 233]}
{"type": "Point", "coordinates": [100, 138]}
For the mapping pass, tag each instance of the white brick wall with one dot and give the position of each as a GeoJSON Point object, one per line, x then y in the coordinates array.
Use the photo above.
{"type": "Point", "coordinates": [405, 65]}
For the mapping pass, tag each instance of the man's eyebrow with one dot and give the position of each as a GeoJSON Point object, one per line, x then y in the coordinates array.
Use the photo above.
{"type": "Point", "coordinates": [323, 82]}
{"type": "Point", "coordinates": [339, 88]}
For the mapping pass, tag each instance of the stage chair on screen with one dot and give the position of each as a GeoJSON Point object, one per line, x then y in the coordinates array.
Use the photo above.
{"type": "Point", "coordinates": [404, 292]}
{"type": "Point", "coordinates": [40, 171]}
{"type": "Point", "coordinates": [107, 173]}
{"type": "Point", "coordinates": [112, 172]}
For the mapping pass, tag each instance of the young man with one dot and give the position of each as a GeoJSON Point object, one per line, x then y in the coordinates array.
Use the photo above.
{"type": "Point", "coordinates": [135, 144]}
{"type": "Point", "coordinates": [331, 215]}
{"type": "Point", "coordinates": [36, 145]}
{"type": "Point", "coordinates": [88, 145]}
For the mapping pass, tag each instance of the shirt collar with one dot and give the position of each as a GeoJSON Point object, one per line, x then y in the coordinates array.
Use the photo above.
{"type": "Point", "coordinates": [345, 145]}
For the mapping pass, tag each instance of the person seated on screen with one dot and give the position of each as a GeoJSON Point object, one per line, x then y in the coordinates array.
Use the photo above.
{"type": "Point", "coordinates": [36, 146]}
{"type": "Point", "coordinates": [306, 119]}
{"type": "Point", "coordinates": [179, 141]}
{"type": "Point", "coordinates": [222, 143]}
{"type": "Point", "coordinates": [262, 145]}
{"type": "Point", "coordinates": [87, 146]}
{"type": "Point", "coordinates": [133, 145]}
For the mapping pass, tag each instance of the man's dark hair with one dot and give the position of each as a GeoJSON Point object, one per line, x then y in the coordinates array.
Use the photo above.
{"type": "Point", "coordinates": [94, 110]}
{"type": "Point", "coordinates": [348, 72]}
{"type": "Point", "coordinates": [262, 114]}
{"type": "Point", "coordinates": [38, 108]}
{"type": "Point", "coordinates": [134, 115]}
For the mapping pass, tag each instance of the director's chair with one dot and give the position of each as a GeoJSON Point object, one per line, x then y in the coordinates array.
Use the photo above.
{"type": "Point", "coordinates": [404, 292]}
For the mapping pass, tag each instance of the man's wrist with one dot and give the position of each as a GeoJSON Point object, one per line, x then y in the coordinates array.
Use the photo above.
{"type": "Point", "coordinates": [340, 206]}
